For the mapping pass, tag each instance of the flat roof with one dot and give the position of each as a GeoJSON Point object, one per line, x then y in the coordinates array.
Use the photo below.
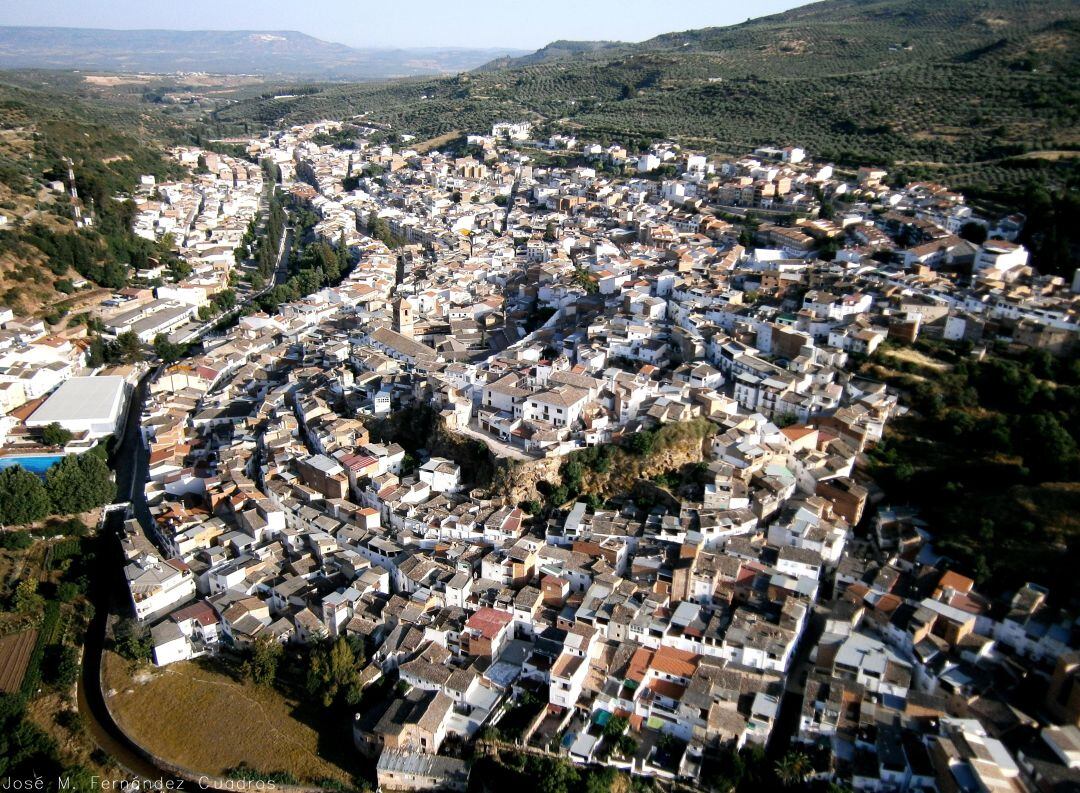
{"type": "Point", "coordinates": [127, 317]}
{"type": "Point", "coordinates": [160, 318]}
{"type": "Point", "coordinates": [82, 399]}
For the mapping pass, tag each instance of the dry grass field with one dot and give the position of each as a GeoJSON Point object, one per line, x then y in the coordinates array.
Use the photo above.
{"type": "Point", "coordinates": [919, 359]}
{"type": "Point", "coordinates": [208, 722]}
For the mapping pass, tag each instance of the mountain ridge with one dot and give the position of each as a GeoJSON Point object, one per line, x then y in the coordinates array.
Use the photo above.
{"type": "Point", "coordinates": [555, 50]}
{"type": "Point", "coordinates": [270, 53]}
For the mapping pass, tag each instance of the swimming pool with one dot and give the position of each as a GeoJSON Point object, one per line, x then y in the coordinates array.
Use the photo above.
{"type": "Point", "coordinates": [35, 463]}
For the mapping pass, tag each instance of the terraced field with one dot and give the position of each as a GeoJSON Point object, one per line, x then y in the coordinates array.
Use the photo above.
{"type": "Point", "coordinates": [15, 652]}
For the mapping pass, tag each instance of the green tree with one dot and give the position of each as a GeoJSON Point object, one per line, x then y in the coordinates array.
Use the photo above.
{"type": "Point", "coordinates": [343, 258]}
{"type": "Point", "coordinates": [128, 346]}
{"type": "Point", "coordinates": [572, 473]}
{"type": "Point", "coordinates": [600, 780]}
{"type": "Point", "coordinates": [79, 483]}
{"type": "Point", "coordinates": [558, 496]}
{"type": "Point", "coordinates": [27, 599]}
{"type": "Point", "coordinates": [262, 662]}
{"type": "Point", "coordinates": [23, 498]}
{"type": "Point", "coordinates": [1048, 448]}
{"type": "Point", "coordinates": [616, 739]}
{"type": "Point", "coordinates": [973, 232]}
{"type": "Point", "coordinates": [15, 540]}
{"type": "Point", "coordinates": [166, 350]}
{"type": "Point", "coordinates": [532, 506]}
{"type": "Point", "coordinates": [224, 300]}
{"type": "Point", "coordinates": [334, 673]}
{"type": "Point", "coordinates": [95, 355]}
{"type": "Point", "coordinates": [556, 776]}
{"type": "Point", "coordinates": [55, 435]}
{"type": "Point", "coordinates": [793, 768]}
{"type": "Point", "coordinates": [133, 640]}
{"type": "Point", "coordinates": [63, 668]}
{"type": "Point", "coordinates": [642, 443]}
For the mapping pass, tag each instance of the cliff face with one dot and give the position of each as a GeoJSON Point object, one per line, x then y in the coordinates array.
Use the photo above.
{"type": "Point", "coordinates": [421, 427]}
{"type": "Point", "coordinates": [675, 446]}
{"type": "Point", "coordinates": [615, 472]}
{"type": "Point", "coordinates": [515, 481]}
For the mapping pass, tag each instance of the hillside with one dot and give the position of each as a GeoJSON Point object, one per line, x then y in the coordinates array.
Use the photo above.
{"type": "Point", "coordinates": [554, 51]}
{"type": "Point", "coordinates": [41, 252]}
{"type": "Point", "coordinates": [989, 455]}
{"type": "Point", "coordinates": [956, 91]}
{"type": "Point", "coordinates": [268, 53]}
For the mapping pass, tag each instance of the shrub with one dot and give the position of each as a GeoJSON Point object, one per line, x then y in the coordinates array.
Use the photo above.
{"type": "Point", "coordinates": [642, 443]}
{"type": "Point", "coordinates": [15, 540]}
{"type": "Point", "coordinates": [55, 435]}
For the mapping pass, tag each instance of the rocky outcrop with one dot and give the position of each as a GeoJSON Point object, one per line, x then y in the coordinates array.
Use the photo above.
{"type": "Point", "coordinates": [675, 447]}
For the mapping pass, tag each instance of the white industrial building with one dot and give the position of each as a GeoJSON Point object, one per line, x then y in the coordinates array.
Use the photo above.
{"type": "Point", "coordinates": [147, 321]}
{"type": "Point", "coordinates": [94, 405]}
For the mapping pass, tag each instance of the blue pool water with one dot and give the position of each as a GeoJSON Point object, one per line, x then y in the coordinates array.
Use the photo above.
{"type": "Point", "coordinates": [36, 463]}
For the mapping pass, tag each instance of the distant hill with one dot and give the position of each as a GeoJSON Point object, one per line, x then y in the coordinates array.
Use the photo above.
{"type": "Point", "coordinates": [556, 50]}
{"type": "Point", "coordinates": [270, 53]}
{"type": "Point", "coordinates": [981, 93]}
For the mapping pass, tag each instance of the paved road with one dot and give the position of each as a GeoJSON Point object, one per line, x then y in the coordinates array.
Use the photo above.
{"type": "Point", "coordinates": [510, 204]}
{"type": "Point", "coordinates": [497, 446]}
{"type": "Point", "coordinates": [107, 589]}
{"type": "Point", "coordinates": [131, 459]}
{"type": "Point", "coordinates": [195, 331]}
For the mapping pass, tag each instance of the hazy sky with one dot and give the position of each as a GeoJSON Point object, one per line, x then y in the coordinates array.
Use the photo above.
{"type": "Point", "coordinates": [520, 24]}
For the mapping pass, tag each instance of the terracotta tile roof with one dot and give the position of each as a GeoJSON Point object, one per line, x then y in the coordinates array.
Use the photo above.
{"type": "Point", "coordinates": [488, 622]}
{"type": "Point", "coordinates": [674, 662]}
{"type": "Point", "coordinates": [668, 689]}
{"type": "Point", "coordinates": [961, 583]}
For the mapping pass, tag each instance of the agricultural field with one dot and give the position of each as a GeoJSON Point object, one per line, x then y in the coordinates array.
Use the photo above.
{"type": "Point", "coordinates": [15, 652]}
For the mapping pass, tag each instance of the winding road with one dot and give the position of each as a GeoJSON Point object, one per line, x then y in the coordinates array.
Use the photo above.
{"type": "Point", "coordinates": [107, 589]}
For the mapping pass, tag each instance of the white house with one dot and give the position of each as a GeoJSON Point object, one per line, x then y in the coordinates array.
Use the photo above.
{"type": "Point", "coordinates": [1000, 256]}
{"type": "Point", "coordinates": [441, 475]}
{"type": "Point", "coordinates": [156, 584]}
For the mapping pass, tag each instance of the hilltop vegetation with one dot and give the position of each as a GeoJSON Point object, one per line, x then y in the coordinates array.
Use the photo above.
{"type": "Point", "coordinates": [961, 91]}
{"type": "Point", "coordinates": [554, 51]}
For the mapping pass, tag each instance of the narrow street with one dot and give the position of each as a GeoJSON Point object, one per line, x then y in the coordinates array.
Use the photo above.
{"type": "Point", "coordinates": [787, 720]}
{"type": "Point", "coordinates": [130, 459]}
